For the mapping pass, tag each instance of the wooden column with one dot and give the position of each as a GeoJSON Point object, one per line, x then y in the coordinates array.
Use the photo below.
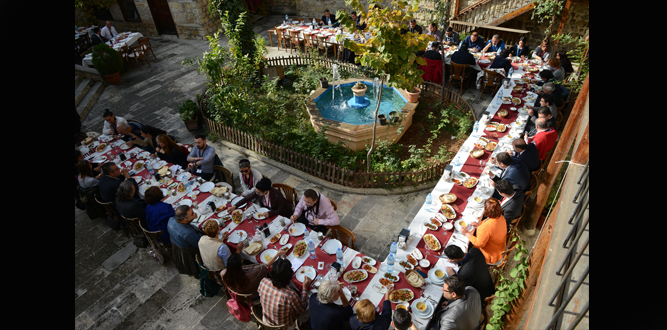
{"type": "Point", "coordinates": [566, 139]}
{"type": "Point", "coordinates": [562, 20]}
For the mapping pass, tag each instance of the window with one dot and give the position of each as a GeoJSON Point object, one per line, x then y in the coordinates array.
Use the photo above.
{"type": "Point", "coordinates": [129, 10]}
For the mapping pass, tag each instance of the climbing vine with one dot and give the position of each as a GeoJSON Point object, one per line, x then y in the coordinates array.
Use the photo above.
{"type": "Point", "coordinates": [547, 9]}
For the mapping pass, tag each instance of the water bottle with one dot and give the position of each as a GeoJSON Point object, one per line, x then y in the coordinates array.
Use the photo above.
{"type": "Point", "coordinates": [339, 256]}
{"type": "Point", "coordinates": [429, 199]}
{"type": "Point", "coordinates": [314, 23]}
{"type": "Point", "coordinates": [311, 248]}
{"type": "Point", "coordinates": [149, 167]}
{"type": "Point", "coordinates": [390, 263]}
{"type": "Point", "coordinates": [286, 18]}
{"type": "Point", "coordinates": [476, 127]}
{"type": "Point", "coordinates": [511, 72]}
{"type": "Point", "coordinates": [500, 98]}
{"type": "Point", "coordinates": [393, 248]}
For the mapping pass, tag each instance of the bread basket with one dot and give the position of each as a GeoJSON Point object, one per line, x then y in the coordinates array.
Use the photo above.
{"type": "Point", "coordinates": [414, 279]}
{"type": "Point", "coordinates": [447, 198]}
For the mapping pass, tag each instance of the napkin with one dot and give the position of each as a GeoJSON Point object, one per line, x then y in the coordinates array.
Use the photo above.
{"type": "Point", "coordinates": [296, 263]}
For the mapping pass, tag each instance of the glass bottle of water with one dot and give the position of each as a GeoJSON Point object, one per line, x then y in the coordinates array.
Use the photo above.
{"type": "Point", "coordinates": [311, 248]}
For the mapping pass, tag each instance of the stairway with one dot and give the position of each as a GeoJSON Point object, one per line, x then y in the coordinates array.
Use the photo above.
{"type": "Point", "coordinates": [88, 85]}
{"type": "Point", "coordinates": [493, 12]}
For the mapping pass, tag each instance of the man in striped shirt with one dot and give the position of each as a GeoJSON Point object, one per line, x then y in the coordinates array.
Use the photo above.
{"type": "Point", "coordinates": [280, 303]}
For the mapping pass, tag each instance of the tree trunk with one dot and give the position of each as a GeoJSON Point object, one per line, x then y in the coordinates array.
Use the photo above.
{"type": "Point", "coordinates": [375, 122]}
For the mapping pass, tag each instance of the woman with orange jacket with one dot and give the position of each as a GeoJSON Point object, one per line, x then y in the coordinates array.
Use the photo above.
{"type": "Point", "coordinates": [491, 232]}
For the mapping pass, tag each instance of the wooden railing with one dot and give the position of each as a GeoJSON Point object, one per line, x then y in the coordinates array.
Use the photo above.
{"type": "Point", "coordinates": [324, 169]}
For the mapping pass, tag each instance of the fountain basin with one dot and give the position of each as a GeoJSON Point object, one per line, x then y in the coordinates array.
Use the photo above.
{"type": "Point", "coordinates": [353, 128]}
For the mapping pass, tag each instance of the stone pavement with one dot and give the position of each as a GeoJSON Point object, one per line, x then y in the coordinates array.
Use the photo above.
{"type": "Point", "coordinates": [118, 286]}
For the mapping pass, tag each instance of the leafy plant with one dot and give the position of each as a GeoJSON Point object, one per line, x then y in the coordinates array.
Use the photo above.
{"type": "Point", "coordinates": [547, 9]}
{"type": "Point", "coordinates": [578, 55]}
{"type": "Point", "coordinates": [106, 60]}
{"type": "Point", "coordinates": [236, 21]}
{"type": "Point", "coordinates": [188, 110]}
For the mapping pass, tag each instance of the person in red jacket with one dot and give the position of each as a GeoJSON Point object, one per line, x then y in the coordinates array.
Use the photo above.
{"type": "Point", "coordinates": [544, 139]}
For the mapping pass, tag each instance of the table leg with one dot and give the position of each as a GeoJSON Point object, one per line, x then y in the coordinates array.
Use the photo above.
{"type": "Point", "coordinates": [271, 38]}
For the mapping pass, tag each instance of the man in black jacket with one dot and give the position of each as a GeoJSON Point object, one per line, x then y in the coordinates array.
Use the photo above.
{"type": "Point", "coordinates": [111, 178]}
{"type": "Point", "coordinates": [527, 153]}
{"type": "Point", "coordinates": [97, 37]}
{"type": "Point", "coordinates": [472, 270]}
{"type": "Point", "coordinates": [512, 202]}
{"type": "Point", "coordinates": [462, 56]}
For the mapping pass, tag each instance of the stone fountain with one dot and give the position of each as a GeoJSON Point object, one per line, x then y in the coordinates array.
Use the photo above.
{"type": "Point", "coordinates": [359, 100]}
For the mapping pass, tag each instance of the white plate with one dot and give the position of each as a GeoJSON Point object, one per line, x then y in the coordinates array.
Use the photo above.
{"type": "Point", "coordinates": [305, 252]}
{"type": "Point", "coordinates": [356, 270]}
{"type": "Point", "coordinates": [331, 246]}
{"type": "Point", "coordinates": [296, 229]}
{"type": "Point", "coordinates": [424, 263]}
{"type": "Point", "coordinates": [400, 301]}
{"type": "Point", "coordinates": [99, 159]}
{"type": "Point", "coordinates": [428, 312]}
{"type": "Point", "coordinates": [284, 239]}
{"type": "Point", "coordinates": [447, 226]}
{"type": "Point", "coordinates": [435, 280]}
{"type": "Point", "coordinates": [124, 146]}
{"type": "Point", "coordinates": [348, 295]}
{"type": "Point", "coordinates": [427, 246]}
{"type": "Point", "coordinates": [185, 176]}
{"type": "Point", "coordinates": [307, 271]}
{"type": "Point", "coordinates": [458, 226]}
{"type": "Point", "coordinates": [370, 263]}
{"type": "Point", "coordinates": [417, 254]}
{"type": "Point", "coordinates": [236, 200]}
{"type": "Point", "coordinates": [396, 274]}
{"type": "Point", "coordinates": [398, 262]}
{"type": "Point", "coordinates": [484, 61]}
{"type": "Point", "coordinates": [144, 155]}
{"type": "Point", "coordinates": [261, 210]}
{"type": "Point", "coordinates": [237, 236]}
{"type": "Point", "coordinates": [380, 288]}
{"type": "Point", "coordinates": [206, 187]}
{"type": "Point", "coordinates": [267, 253]}
{"type": "Point", "coordinates": [185, 201]}
{"type": "Point", "coordinates": [138, 179]}
{"type": "Point", "coordinates": [286, 247]}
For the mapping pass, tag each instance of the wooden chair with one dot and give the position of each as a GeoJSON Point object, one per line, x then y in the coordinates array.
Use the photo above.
{"type": "Point", "coordinates": [283, 37]}
{"type": "Point", "coordinates": [125, 55]}
{"type": "Point", "coordinates": [333, 204]}
{"type": "Point", "coordinates": [500, 265]}
{"type": "Point", "coordinates": [485, 313]}
{"type": "Point", "coordinates": [559, 119]}
{"type": "Point", "coordinates": [245, 298]}
{"type": "Point", "coordinates": [139, 53]}
{"type": "Point", "coordinates": [459, 75]}
{"type": "Point", "coordinates": [309, 40]}
{"type": "Point", "coordinates": [220, 170]}
{"type": "Point", "coordinates": [155, 241]}
{"type": "Point", "coordinates": [147, 45]}
{"type": "Point", "coordinates": [288, 192]}
{"type": "Point", "coordinates": [263, 325]}
{"type": "Point", "coordinates": [110, 209]}
{"type": "Point", "coordinates": [490, 81]}
{"type": "Point", "coordinates": [134, 225]}
{"type": "Point", "coordinates": [213, 275]}
{"type": "Point", "coordinates": [323, 44]}
{"type": "Point", "coordinates": [295, 40]}
{"type": "Point", "coordinates": [344, 235]}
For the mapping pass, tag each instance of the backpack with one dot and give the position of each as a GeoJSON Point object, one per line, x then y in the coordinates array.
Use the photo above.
{"type": "Point", "coordinates": [240, 311]}
{"type": "Point", "coordinates": [207, 287]}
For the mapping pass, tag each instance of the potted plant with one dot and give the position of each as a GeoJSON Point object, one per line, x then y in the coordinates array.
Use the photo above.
{"type": "Point", "coordinates": [108, 62]}
{"type": "Point", "coordinates": [324, 82]}
{"type": "Point", "coordinates": [413, 95]}
{"type": "Point", "coordinates": [383, 119]}
{"type": "Point", "coordinates": [188, 111]}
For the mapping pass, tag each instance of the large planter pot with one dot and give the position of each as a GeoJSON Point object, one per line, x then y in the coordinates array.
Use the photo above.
{"type": "Point", "coordinates": [413, 96]}
{"type": "Point", "coordinates": [113, 79]}
{"type": "Point", "coordinates": [192, 125]}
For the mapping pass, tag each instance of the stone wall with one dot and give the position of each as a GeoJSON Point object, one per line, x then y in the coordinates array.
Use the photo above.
{"type": "Point", "coordinates": [315, 8]}
{"type": "Point", "coordinates": [283, 7]}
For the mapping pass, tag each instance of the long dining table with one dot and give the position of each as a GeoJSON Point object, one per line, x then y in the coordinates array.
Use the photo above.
{"type": "Point", "coordinates": [122, 39]}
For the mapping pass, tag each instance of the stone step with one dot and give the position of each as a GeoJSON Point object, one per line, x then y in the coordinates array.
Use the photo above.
{"type": "Point", "coordinates": [77, 80]}
{"type": "Point", "coordinates": [89, 99]}
{"type": "Point", "coordinates": [81, 89]}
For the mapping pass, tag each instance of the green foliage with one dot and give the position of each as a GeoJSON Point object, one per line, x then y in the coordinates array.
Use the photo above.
{"type": "Point", "coordinates": [106, 60]}
{"type": "Point", "coordinates": [236, 21]}
{"type": "Point", "coordinates": [576, 54]}
{"type": "Point", "coordinates": [547, 9]}
{"type": "Point", "coordinates": [90, 8]}
{"type": "Point", "coordinates": [188, 110]}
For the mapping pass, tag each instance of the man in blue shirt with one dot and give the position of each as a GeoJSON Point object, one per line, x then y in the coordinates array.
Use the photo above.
{"type": "Point", "coordinates": [201, 158]}
{"type": "Point", "coordinates": [180, 230]}
{"type": "Point", "coordinates": [474, 42]}
{"type": "Point", "coordinates": [494, 45]}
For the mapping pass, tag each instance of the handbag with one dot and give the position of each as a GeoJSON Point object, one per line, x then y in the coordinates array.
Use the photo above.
{"type": "Point", "coordinates": [240, 311]}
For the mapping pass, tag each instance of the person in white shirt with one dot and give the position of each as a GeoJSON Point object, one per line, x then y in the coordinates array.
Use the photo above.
{"type": "Point", "coordinates": [111, 122]}
{"type": "Point", "coordinates": [109, 31]}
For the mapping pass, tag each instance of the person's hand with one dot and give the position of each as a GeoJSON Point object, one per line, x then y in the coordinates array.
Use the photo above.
{"type": "Point", "coordinates": [390, 289]}
{"type": "Point", "coordinates": [493, 160]}
{"type": "Point", "coordinates": [153, 155]}
{"type": "Point", "coordinates": [239, 247]}
{"type": "Point", "coordinates": [231, 209]}
{"type": "Point", "coordinates": [125, 172]}
{"type": "Point", "coordinates": [490, 174]}
{"type": "Point", "coordinates": [475, 224]}
{"type": "Point", "coordinates": [225, 234]}
{"type": "Point", "coordinates": [293, 217]}
{"type": "Point", "coordinates": [160, 150]}
{"type": "Point", "coordinates": [281, 252]}
{"type": "Point", "coordinates": [316, 222]}
{"type": "Point", "coordinates": [265, 214]}
{"type": "Point", "coordinates": [129, 143]}
{"type": "Point", "coordinates": [464, 231]}
{"type": "Point", "coordinates": [450, 271]}
{"type": "Point", "coordinates": [190, 165]}
{"type": "Point", "coordinates": [306, 282]}
{"type": "Point", "coordinates": [523, 57]}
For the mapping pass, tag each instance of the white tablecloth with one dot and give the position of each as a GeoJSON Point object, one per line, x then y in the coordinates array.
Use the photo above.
{"type": "Point", "coordinates": [133, 37]}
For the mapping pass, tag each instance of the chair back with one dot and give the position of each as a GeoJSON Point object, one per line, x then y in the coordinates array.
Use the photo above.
{"type": "Point", "coordinates": [222, 171]}
{"type": "Point", "coordinates": [288, 192]}
{"type": "Point", "coordinates": [213, 275]}
{"type": "Point", "coordinates": [344, 235]}
{"type": "Point", "coordinates": [458, 71]}
{"type": "Point", "coordinates": [490, 78]}
{"type": "Point", "coordinates": [145, 42]}
{"type": "Point", "coordinates": [322, 42]}
{"type": "Point", "coordinates": [243, 298]}
{"type": "Point", "coordinates": [294, 35]}
{"type": "Point", "coordinates": [308, 39]}
{"type": "Point", "coordinates": [134, 225]}
{"type": "Point", "coordinates": [333, 204]}
{"type": "Point", "coordinates": [260, 320]}
{"type": "Point", "coordinates": [154, 239]}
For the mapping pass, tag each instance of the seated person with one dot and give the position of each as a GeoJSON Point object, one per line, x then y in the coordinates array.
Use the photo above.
{"type": "Point", "coordinates": [433, 31]}
{"type": "Point", "coordinates": [472, 269]}
{"type": "Point", "coordinates": [491, 232]}
{"type": "Point", "coordinates": [111, 123]}
{"type": "Point", "coordinates": [550, 88]}
{"type": "Point", "coordinates": [111, 178]}
{"type": "Point", "coordinates": [280, 303]}
{"type": "Point", "coordinates": [433, 53]}
{"type": "Point", "coordinates": [324, 313]}
{"type": "Point", "coordinates": [245, 279]}
{"type": "Point", "coordinates": [328, 19]}
{"type": "Point", "coordinates": [213, 250]}
{"type": "Point", "coordinates": [520, 49]}
{"type": "Point", "coordinates": [129, 206]}
{"type": "Point", "coordinates": [266, 196]}
{"type": "Point", "coordinates": [544, 139]}
{"type": "Point", "coordinates": [474, 42]}
{"type": "Point", "coordinates": [514, 170]}
{"type": "Point", "coordinates": [315, 211]}
{"type": "Point", "coordinates": [108, 31]}
{"type": "Point", "coordinates": [495, 45]}
{"type": "Point", "coordinates": [184, 240]}
{"type": "Point", "coordinates": [547, 76]}
{"type": "Point", "coordinates": [565, 62]}
{"type": "Point", "coordinates": [169, 151]}
{"type": "Point", "coordinates": [413, 27]}
{"type": "Point", "coordinates": [501, 61]}
{"type": "Point", "coordinates": [249, 177]}
{"type": "Point", "coordinates": [158, 212]}
{"type": "Point", "coordinates": [527, 153]}
{"type": "Point", "coordinates": [462, 56]}
{"type": "Point", "coordinates": [366, 318]}
{"type": "Point", "coordinates": [542, 51]}
{"type": "Point", "coordinates": [511, 202]}
{"type": "Point", "coordinates": [401, 319]}
{"type": "Point", "coordinates": [146, 140]}
{"type": "Point", "coordinates": [451, 37]}
{"type": "Point", "coordinates": [559, 72]}
{"type": "Point", "coordinates": [542, 112]}
{"type": "Point", "coordinates": [357, 20]}
{"type": "Point", "coordinates": [462, 309]}
{"type": "Point", "coordinates": [130, 131]}
{"type": "Point", "coordinates": [87, 176]}
{"type": "Point", "coordinates": [201, 158]}
{"type": "Point", "coordinates": [97, 37]}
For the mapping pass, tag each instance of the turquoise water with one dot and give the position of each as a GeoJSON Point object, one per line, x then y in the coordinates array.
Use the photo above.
{"type": "Point", "coordinates": [339, 110]}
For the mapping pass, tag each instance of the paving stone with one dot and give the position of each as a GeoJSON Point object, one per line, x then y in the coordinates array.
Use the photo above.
{"type": "Point", "coordinates": [119, 257]}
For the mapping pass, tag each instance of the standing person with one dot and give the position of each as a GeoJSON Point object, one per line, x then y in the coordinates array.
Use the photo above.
{"type": "Point", "coordinates": [249, 177]}
{"type": "Point", "coordinates": [169, 151]}
{"type": "Point", "coordinates": [451, 37]}
{"type": "Point", "coordinates": [462, 308]}
{"type": "Point", "coordinates": [214, 252]}
{"type": "Point", "coordinates": [201, 158]}
{"type": "Point", "coordinates": [474, 42]}
{"type": "Point", "coordinates": [111, 122]}
{"type": "Point", "coordinates": [315, 211]}
{"type": "Point", "coordinates": [267, 197]}
{"type": "Point", "coordinates": [472, 270]}
{"type": "Point", "coordinates": [184, 241]}
{"type": "Point", "coordinates": [324, 313]}
{"type": "Point", "coordinates": [491, 232]}
{"type": "Point", "coordinates": [158, 212]}
{"type": "Point", "coordinates": [366, 318]}
{"type": "Point", "coordinates": [108, 31]}
{"type": "Point", "coordinates": [520, 49]}
{"type": "Point", "coordinates": [433, 31]}
{"type": "Point", "coordinates": [280, 303]}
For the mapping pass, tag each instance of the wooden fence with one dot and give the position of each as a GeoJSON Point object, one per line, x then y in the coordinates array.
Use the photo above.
{"type": "Point", "coordinates": [324, 169]}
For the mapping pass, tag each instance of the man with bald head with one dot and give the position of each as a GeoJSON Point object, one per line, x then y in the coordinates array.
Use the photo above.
{"type": "Point", "coordinates": [130, 131]}
{"type": "Point", "coordinates": [108, 31]}
{"type": "Point", "coordinates": [527, 153]}
{"type": "Point", "coordinates": [544, 139]}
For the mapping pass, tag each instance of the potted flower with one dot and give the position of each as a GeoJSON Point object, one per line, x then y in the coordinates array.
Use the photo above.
{"type": "Point", "coordinates": [413, 95]}
{"type": "Point", "coordinates": [108, 62]}
{"type": "Point", "coordinates": [188, 111]}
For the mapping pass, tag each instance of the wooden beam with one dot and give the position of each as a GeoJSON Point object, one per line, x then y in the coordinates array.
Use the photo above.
{"type": "Point", "coordinates": [490, 27]}
{"type": "Point", "coordinates": [566, 139]}
{"type": "Point", "coordinates": [513, 14]}
{"type": "Point", "coordinates": [566, 10]}
{"type": "Point", "coordinates": [456, 8]}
